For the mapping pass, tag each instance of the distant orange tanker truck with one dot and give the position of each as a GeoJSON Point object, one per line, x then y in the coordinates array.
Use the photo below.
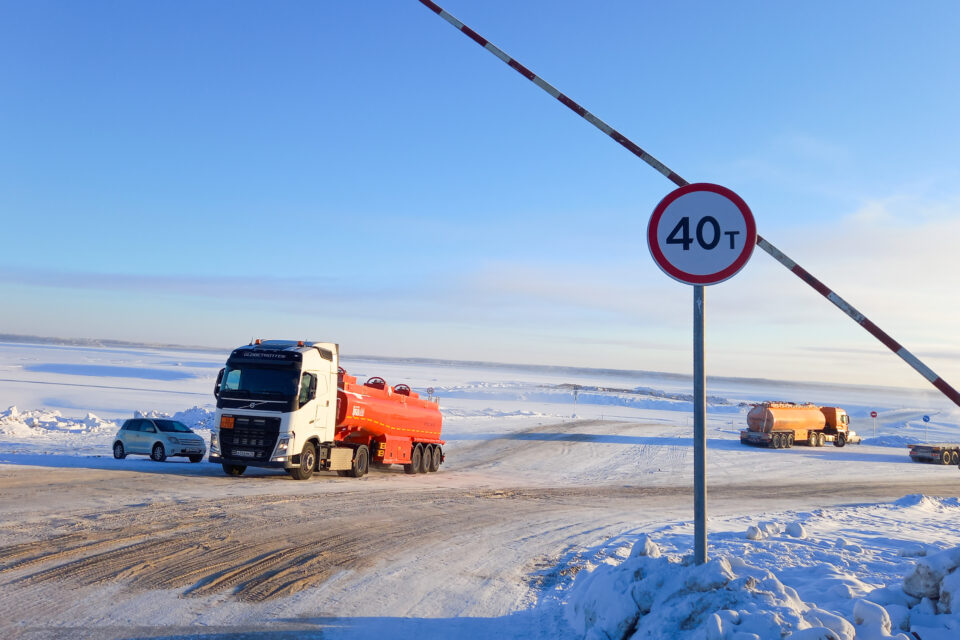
{"type": "Point", "coordinates": [779, 425]}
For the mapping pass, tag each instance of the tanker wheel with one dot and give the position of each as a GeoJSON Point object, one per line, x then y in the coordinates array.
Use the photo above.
{"type": "Point", "coordinates": [234, 469]}
{"type": "Point", "coordinates": [308, 460]}
{"type": "Point", "coordinates": [361, 462]}
{"type": "Point", "coordinates": [789, 440]}
{"type": "Point", "coordinates": [435, 459]}
{"type": "Point", "coordinates": [425, 458]}
{"type": "Point", "coordinates": [775, 441]}
{"type": "Point", "coordinates": [955, 458]}
{"type": "Point", "coordinates": [945, 457]}
{"type": "Point", "coordinates": [415, 460]}
{"type": "Point", "coordinates": [840, 439]}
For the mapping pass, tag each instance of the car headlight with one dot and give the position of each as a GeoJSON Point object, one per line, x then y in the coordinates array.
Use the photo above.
{"type": "Point", "coordinates": [172, 440]}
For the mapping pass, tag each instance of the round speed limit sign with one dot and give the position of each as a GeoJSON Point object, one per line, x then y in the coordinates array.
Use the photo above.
{"type": "Point", "coordinates": [701, 234]}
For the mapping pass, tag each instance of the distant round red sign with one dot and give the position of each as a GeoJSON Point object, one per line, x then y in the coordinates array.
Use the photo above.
{"type": "Point", "coordinates": [873, 414]}
{"type": "Point", "coordinates": [701, 234]}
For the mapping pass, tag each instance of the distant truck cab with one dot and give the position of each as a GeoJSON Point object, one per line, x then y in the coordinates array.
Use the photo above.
{"type": "Point", "coordinates": [288, 404]}
{"type": "Point", "coordinates": [779, 425]}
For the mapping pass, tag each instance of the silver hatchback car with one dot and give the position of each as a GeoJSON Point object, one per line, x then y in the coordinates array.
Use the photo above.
{"type": "Point", "coordinates": [158, 438]}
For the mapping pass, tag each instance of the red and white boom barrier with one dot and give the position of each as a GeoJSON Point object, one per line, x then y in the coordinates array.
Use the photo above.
{"type": "Point", "coordinates": [671, 175]}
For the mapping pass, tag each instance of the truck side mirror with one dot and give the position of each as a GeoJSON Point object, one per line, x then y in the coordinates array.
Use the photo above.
{"type": "Point", "coordinates": [216, 388]}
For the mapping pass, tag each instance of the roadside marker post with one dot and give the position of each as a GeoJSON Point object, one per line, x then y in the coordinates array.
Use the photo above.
{"type": "Point", "coordinates": [701, 234]}
{"type": "Point", "coordinates": [873, 414]}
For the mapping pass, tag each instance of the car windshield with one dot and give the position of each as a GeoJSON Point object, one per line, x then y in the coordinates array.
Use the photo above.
{"type": "Point", "coordinates": [250, 381]}
{"type": "Point", "coordinates": [172, 426]}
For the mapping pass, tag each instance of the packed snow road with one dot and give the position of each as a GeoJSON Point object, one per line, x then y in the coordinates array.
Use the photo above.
{"type": "Point", "coordinates": [179, 544]}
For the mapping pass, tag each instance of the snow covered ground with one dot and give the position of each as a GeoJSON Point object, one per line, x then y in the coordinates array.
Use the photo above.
{"type": "Point", "coordinates": [785, 561]}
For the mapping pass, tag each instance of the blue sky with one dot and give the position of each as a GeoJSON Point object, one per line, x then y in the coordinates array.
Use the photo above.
{"type": "Point", "coordinates": [360, 172]}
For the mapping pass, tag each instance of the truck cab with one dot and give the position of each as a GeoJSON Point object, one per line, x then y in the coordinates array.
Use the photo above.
{"type": "Point", "coordinates": [276, 406]}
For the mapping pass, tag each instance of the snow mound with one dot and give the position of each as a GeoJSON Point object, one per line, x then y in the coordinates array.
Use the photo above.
{"type": "Point", "coordinates": [724, 598]}
{"type": "Point", "coordinates": [46, 423]}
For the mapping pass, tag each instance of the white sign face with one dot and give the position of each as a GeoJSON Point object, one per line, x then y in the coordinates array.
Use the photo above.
{"type": "Point", "coordinates": [701, 234]}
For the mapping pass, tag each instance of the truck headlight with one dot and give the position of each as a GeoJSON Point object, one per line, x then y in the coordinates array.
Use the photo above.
{"type": "Point", "coordinates": [282, 445]}
{"type": "Point", "coordinates": [214, 443]}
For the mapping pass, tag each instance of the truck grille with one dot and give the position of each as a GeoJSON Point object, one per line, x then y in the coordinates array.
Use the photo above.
{"type": "Point", "coordinates": [250, 434]}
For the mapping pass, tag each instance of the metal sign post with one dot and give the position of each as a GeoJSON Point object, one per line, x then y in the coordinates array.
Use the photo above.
{"type": "Point", "coordinates": [701, 234]}
{"type": "Point", "coordinates": [873, 414]}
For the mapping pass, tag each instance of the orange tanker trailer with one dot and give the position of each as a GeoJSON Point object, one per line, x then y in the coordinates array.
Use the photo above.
{"type": "Point", "coordinates": [395, 423]}
{"type": "Point", "coordinates": [780, 424]}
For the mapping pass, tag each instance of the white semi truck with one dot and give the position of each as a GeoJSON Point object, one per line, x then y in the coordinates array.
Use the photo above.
{"type": "Point", "coordinates": [288, 404]}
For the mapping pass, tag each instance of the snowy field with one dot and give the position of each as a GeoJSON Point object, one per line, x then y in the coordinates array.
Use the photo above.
{"type": "Point", "coordinates": [595, 540]}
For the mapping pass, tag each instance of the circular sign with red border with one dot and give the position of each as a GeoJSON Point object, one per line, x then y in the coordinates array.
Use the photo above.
{"type": "Point", "coordinates": [873, 414]}
{"type": "Point", "coordinates": [701, 234]}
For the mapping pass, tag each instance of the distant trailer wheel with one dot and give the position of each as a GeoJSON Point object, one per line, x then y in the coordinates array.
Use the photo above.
{"type": "Point", "coordinates": [777, 441]}
{"type": "Point", "coordinates": [196, 457]}
{"type": "Point", "coordinates": [789, 440]}
{"type": "Point", "coordinates": [234, 469]}
{"type": "Point", "coordinates": [435, 459]}
{"type": "Point", "coordinates": [955, 457]}
{"type": "Point", "coordinates": [945, 457]}
{"type": "Point", "coordinates": [416, 459]}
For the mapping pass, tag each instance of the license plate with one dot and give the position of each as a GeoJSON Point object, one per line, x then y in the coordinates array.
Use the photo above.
{"type": "Point", "coordinates": [243, 454]}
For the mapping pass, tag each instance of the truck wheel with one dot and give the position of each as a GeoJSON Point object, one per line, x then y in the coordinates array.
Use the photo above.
{"type": "Point", "coordinates": [118, 451]}
{"type": "Point", "coordinates": [840, 440]}
{"type": "Point", "coordinates": [425, 458]}
{"type": "Point", "coordinates": [955, 458]}
{"type": "Point", "coordinates": [234, 469]}
{"type": "Point", "coordinates": [789, 440]}
{"type": "Point", "coordinates": [416, 459]}
{"type": "Point", "coordinates": [308, 460]}
{"type": "Point", "coordinates": [158, 454]}
{"type": "Point", "coordinates": [361, 462]}
{"type": "Point", "coordinates": [945, 457]}
{"type": "Point", "coordinates": [435, 459]}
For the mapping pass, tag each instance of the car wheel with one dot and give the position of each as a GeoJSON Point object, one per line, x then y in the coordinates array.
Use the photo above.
{"type": "Point", "coordinates": [118, 452]}
{"type": "Point", "coordinates": [196, 458]}
{"type": "Point", "coordinates": [158, 453]}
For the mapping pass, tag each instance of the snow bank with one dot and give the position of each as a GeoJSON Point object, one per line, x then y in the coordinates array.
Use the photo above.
{"type": "Point", "coordinates": [752, 589]}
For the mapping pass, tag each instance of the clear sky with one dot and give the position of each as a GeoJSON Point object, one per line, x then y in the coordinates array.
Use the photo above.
{"type": "Point", "coordinates": [208, 172]}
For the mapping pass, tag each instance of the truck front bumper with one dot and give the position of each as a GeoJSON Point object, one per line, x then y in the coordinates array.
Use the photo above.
{"type": "Point", "coordinates": [247, 462]}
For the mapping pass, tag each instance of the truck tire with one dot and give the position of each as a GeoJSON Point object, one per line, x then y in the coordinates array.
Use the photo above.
{"type": "Point", "coordinates": [118, 451]}
{"type": "Point", "coordinates": [945, 457]}
{"type": "Point", "coordinates": [308, 460]}
{"type": "Point", "coordinates": [234, 469]}
{"type": "Point", "coordinates": [840, 439]}
{"type": "Point", "coordinates": [361, 462]}
{"type": "Point", "coordinates": [435, 459]}
{"type": "Point", "coordinates": [789, 440]}
{"type": "Point", "coordinates": [416, 459]}
{"type": "Point", "coordinates": [425, 458]}
{"type": "Point", "coordinates": [158, 453]}
{"type": "Point", "coordinates": [955, 458]}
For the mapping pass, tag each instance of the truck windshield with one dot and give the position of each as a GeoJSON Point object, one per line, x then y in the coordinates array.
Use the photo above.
{"type": "Point", "coordinates": [250, 381]}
